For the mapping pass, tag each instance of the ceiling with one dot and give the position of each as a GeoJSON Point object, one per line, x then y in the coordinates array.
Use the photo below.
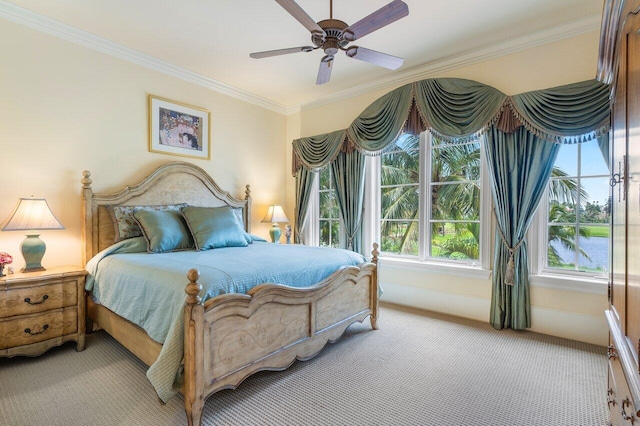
{"type": "Point", "coordinates": [210, 40]}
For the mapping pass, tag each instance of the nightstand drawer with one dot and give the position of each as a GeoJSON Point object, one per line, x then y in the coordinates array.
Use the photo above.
{"type": "Point", "coordinates": [28, 329]}
{"type": "Point", "coordinates": [38, 298]}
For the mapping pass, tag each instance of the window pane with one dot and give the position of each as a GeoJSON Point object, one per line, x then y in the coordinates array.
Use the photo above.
{"type": "Point", "coordinates": [567, 159]}
{"type": "Point", "coordinates": [595, 201]}
{"type": "Point", "coordinates": [325, 178]}
{"type": "Point", "coordinates": [562, 212]}
{"type": "Point", "coordinates": [591, 158]}
{"type": "Point", "coordinates": [455, 202]}
{"type": "Point", "coordinates": [562, 247]}
{"type": "Point", "coordinates": [400, 237]}
{"type": "Point", "coordinates": [329, 233]}
{"type": "Point", "coordinates": [459, 162]}
{"type": "Point", "coordinates": [594, 250]}
{"type": "Point", "coordinates": [399, 202]}
{"type": "Point", "coordinates": [455, 241]}
{"type": "Point", "coordinates": [399, 197]}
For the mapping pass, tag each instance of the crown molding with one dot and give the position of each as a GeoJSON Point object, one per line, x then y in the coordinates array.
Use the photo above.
{"type": "Point", "coordinates": [471, 57]}
{"type": "Point", "coordinates": [55, 28]}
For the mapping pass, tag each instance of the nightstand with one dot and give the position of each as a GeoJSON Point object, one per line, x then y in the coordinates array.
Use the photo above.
{"type": "Point", "coordinates": [40, 310]}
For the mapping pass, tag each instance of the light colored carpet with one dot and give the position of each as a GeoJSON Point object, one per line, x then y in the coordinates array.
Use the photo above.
{"type": "Point", "coordinates": [420, 368]}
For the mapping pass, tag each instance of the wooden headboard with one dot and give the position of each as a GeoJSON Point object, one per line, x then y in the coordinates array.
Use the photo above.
{"type": "Point", "coordinates": [172, 183]}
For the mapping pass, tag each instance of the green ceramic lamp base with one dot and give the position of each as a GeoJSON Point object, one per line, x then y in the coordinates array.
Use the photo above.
{"type": "Point", "coordinates": [33, 249]}
{"type": "Point", "coordinates": [275, 233]}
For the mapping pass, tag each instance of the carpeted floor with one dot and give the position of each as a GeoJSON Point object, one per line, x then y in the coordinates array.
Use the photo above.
{"type": "Point", "coordinates": [420, 368]}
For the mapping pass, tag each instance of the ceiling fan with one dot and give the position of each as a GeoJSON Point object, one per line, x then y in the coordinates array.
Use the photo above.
{"type": "Point", "coordinates": [332, 35]}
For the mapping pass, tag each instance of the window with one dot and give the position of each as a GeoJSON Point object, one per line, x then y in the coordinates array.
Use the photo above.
{"type": "Point", "coordinates": [329, 213]}
{"type": "Point", "coordinates": [577, 212]}
{"type": "Point", "coordinates": [431, 200]}
{"type": "Point", "coordinates": [400, 196]}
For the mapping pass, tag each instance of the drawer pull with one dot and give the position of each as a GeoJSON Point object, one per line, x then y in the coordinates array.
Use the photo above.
{"type": "Point", "coordinates": [627, 403]}
{"type": "Point", "coordinates": [610, 401]}
{"type": "Point", "coordinates": [28, 300]}
{"type": "Point", "coordinates": [611, 352]}
{"type": "Point", "coordinates": [35, 333]}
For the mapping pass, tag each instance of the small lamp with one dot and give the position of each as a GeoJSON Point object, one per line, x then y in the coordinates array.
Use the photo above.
{"type": "Point", "coordinates": [275, 215]}
{"type": "Point", "coordinates": [32, 215]}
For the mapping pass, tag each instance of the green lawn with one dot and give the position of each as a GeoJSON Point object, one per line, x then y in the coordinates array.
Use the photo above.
{"type": "Point", "coordinates": [598, 231]}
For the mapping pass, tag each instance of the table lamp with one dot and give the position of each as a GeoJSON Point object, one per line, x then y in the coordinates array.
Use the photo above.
{"type": "Point", "coordinates": [32, 215]}
{"type": "Point", "coordinates": [275, 215]}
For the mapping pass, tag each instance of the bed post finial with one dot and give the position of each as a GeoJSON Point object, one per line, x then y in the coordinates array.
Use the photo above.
{"type": "Point", "coordinates": [194, 288]}
{"type": "Point", "coordinates": [247, 192]}
{"type": "Point", "coordinates": [86, 180]}
{"type": "Point", "coordinates": [375, 253]}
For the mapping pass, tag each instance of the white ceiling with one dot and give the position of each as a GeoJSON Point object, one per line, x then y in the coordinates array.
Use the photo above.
{"type": "Point", "coordinates": [210, 40]}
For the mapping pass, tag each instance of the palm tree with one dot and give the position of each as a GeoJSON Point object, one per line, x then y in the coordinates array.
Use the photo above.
{"type": "Point", "coordinates": [563, 199]}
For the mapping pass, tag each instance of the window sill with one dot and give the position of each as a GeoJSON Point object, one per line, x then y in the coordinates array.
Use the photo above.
{"type": "Point", "coordinates": [435, 267]}
{"type": "Point", "coordinates": [590, 285]}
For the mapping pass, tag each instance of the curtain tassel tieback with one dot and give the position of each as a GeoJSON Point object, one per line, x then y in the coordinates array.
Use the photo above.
{"type": "Point", "coordinates": [510, 271]}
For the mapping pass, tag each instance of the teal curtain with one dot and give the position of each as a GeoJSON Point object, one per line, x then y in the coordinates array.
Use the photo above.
{"type": "Point", "coordinates": [519, 166]}
{"type": "Point", "coordinates": [569, 114]}
{"type": "Point", "coordinates": [381, 122]}
{"type": "Point", "coordinates": [304, 184]}
{"type": "Point", "coordinates": [457, 109]}
{"type": "Point", "coordinates": [315, 152]}
{"type": "Point", "coordinates": [348, 179]}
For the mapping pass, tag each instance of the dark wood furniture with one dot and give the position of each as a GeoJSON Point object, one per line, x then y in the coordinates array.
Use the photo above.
{"type": "Point", "coordinates": [619, 64]}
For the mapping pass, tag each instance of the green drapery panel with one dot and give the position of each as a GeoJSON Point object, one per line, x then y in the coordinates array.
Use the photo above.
{"type": "Point", "coordinates": [348, 179]}
{"type": "Point", "coordinates": [519, 166]}
{"type": "Point", "coordinates": [315, 152]}
{"type": "Point", "coordinates": [457, 109]}
{"type": "Point", "coordinates": [381, 122]}
{"type": "Point", "coordinates": [569, 114]}
{"type": "Point", "coordinates": [304, 184]}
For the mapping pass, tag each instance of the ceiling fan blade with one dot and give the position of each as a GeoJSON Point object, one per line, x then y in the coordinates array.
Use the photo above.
{"type": "Point", "coordinates": [373, 57]}
{"type": "Point", "coordinates": [384, 16]}
{"type": "Point", "coordinates": [277, 52]}
{"type": "Point", "coordinates": [297, 12]}
{"type": "Point", "coordinates": [324, 72]}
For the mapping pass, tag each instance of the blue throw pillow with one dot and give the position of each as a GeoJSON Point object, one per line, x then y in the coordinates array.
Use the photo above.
{"type": "Point", "coordinates": [215, 227]}
{"type": "Point", "coordinates": [164, 230]}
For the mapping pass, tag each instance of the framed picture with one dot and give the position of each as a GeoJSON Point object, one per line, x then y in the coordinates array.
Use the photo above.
{"type": "Point", "coordinates": [179, 129]}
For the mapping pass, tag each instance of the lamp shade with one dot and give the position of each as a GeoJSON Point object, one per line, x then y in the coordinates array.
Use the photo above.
{"type": "Point", "coordinates": [275, 214]}
{"type": "Point", "coordinates": [32, 214]}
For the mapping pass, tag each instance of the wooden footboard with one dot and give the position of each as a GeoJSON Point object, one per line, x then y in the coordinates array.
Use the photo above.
{"type": "Point", "coordinates": [233, 336]}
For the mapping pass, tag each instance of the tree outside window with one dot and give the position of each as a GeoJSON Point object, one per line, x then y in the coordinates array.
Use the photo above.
{"type": "Point", "coordinates": [450, 196]}
{"type": "Point", "coordinates": [579, 210]}
{"type": "Point", "coordinates": [329, 219]}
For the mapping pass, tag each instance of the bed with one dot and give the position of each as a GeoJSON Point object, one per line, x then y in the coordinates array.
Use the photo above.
{"type": "Point", "coordinates": [225, 338]}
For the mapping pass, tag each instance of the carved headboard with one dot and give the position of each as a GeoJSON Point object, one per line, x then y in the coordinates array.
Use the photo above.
{"type": "Point", "coordinates": [171, 183]}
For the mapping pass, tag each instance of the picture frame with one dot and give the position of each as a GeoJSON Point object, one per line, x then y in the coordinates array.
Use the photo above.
{"type": "Point", "coordinates": [176, 128]}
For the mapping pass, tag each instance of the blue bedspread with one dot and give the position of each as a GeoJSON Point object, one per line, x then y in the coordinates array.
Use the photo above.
{"type": "Point", "coordinates": [148, 289]}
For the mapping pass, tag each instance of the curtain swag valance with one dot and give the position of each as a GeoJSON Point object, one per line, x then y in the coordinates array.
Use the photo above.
{"type": "Point", "coordinates": [458, 110]}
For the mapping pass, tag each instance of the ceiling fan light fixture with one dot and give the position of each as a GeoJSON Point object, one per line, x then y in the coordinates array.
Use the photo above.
{"type": "Point", "coordinates": [333, 35]}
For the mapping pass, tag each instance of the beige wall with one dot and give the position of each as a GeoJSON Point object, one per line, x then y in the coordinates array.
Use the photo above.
{"type": "Point", "coordinates": [569, 314]}
{"type": "Point", "coordinates": [65, 108]}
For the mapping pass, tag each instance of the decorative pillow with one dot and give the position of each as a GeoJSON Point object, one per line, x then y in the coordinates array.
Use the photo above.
{"type": "Point", "coordinates": [164, 230]}
{"type": "Point", "coordinates": [238, 212]}
{"type": "Point", "coordinates": [214, 227]}
{"type": "Point", "coordinates": [124, 223]}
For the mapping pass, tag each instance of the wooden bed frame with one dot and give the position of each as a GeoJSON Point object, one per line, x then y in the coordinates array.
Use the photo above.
{"type": "Point", "coordinates": [231, 336]}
